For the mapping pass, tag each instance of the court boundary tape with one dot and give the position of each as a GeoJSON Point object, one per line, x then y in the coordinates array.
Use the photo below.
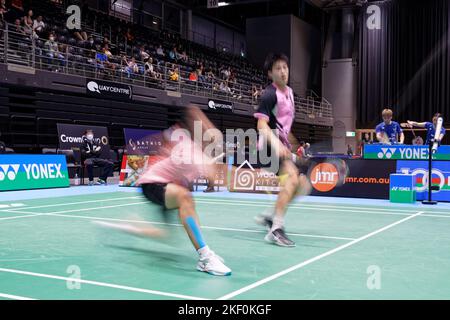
{"type": "Point", "coordinates": [316, 258]}
{"type": "Point", "coordinates": [14, 297]}
{"type": "Point", "coordinates": [177, 225]}
{"type": "Point", "coordinates": [101, 284]}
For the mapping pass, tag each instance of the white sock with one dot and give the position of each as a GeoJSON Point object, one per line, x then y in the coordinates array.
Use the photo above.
{"type": "Point", "coordinates": [278, 222]}
{"type": "Point", "coordinates": [204, 252]}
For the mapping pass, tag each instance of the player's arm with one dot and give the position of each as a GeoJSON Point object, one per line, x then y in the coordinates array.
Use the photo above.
{"type": "Point", "coordinates": [381, 137]}
{"type": "Point", "coordinates": [402, 137]}
{"type": "Point", "coordinates": [417, 124]}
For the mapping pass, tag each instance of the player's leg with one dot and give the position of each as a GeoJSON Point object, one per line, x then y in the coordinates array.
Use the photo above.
{"type": "Point", "coordinates": [178, 197]}
{"type": "Point", "coordinates": [289, 186]}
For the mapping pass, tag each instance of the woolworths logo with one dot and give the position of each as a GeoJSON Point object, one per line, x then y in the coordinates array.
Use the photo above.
{"type": "Point", "coordinates": [386, 153]}
{"type": "Point", "coordinates": [33, 171]}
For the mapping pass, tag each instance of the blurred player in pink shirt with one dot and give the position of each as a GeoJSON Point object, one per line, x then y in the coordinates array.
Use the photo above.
{"type": "Point", "coordinates": [166, 184]}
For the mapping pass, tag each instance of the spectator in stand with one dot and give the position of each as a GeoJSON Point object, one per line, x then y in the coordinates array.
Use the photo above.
{"type": "Point", "coordinates": [193, 76]}
{"type": "Point", "coordinates": [349, 151]}
{"type": "Point", "coordinates": [38, 27]}
{"type": "Point", "coordinates": [3, 11]}
{"type": "Point", "coordinates": [160, 51]}
{"type": "Point", "coordinates": [52, 52]}
{"type": "Point", "coordinates": [80, 35]}
{"type": "Point", "coordinates": [225, 88]}
{"type": "Point", "coordinates": [28, 23]}
{"type": "Point", "coordinates": [174, 75]}
{"type": "Point", "coordinates": [173, 54]}
{"type": "Point", "coordinates": [150, 70]}
{"type": "Point", "coordinates": [301, 152]}
{"type": "Point", "coordinates": [18, 28]}
{"type": "Point", "coordinates": [184, 57]}
{"type": "Point", "coordinates": [109, 57]}
{"type": "Point", "coordinates": [131, 67]}
{"type": "Point", "coordinates": [255, 93]}
{"type": "Point", "coordinates": [143, 54]}
{"type": "Point", "coordinates": [90, 44]}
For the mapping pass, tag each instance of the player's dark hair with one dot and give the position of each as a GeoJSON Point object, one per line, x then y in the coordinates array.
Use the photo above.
{"type": "Point", "coordinates": [437, 115]}
{"type": "Point", "coordinates": [272, 58]}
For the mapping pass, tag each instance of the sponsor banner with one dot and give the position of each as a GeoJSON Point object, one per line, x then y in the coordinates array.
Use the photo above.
{"type": "Point", "coordinates": [23, 172]}
{"type": "Point", "coordinates": [133, 167]}
{"type": "Point", "coordinates": [354, 178]}
{"type": "Point", "coordinates": [142, 142]}
{"type": "Point", "coordinates": [108, 90]}
{"type": "Point", "coordinates": [440, 177]}
{"type": "Point", "coordinates": [71, 136]}
{"type": "Point", "coordinates": [403, 152]}
{"type": "Point", "coordinates": [220, 106]}
{"type": "Point", "coordinates": [247, 178]}
{"type": "Point", "coordinates": [402, 188]}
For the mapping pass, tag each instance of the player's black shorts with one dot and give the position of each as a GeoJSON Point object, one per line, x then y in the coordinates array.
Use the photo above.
{"type": "Point", "coordinates": [155, 192]}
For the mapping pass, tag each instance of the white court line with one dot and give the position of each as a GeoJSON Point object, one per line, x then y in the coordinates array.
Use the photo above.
{"type": "Point", "coordinates": [13, 297]}
{"type": "Point", "coordinates": [79, 210]}
{"type": "Point", "coordinates": [315, 208]}
{"type": "Point", "coordinates": [317, 205]}
{"type": "Point", "coordinates": [31, 214]}
{"type": "Point", "coordinates": [102, 284]}
{"type": "Point", "coordinates": [316, 258]}
{"type": "Point", "coordinates": [319, 257]}
{"type": "Point", "coordinates": [74, 203]}
{"type": "Point", "coordinates": [180, 225]}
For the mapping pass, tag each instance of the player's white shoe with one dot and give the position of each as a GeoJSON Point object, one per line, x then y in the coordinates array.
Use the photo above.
{"type": "Point", "coordinates": [213, 264]}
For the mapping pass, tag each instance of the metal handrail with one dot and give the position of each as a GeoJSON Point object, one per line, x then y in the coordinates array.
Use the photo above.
{"type": "Point", "coordinates": [20, 49]}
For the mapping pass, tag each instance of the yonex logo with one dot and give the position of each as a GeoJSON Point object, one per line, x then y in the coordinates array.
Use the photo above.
{"type": "Point", "coordinates": [211, 104]}
{"type": "Point", "coordinates": [9, 171]}
{"type": "Point", "coordinates": [386, 152]}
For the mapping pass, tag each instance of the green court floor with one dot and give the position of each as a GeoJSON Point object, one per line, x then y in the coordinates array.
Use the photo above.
{"type": "Point", "coordinates": [51, 249]}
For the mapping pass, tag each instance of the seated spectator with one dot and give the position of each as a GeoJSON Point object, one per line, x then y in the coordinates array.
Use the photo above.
{"type": "Point", "coordinates": [52, 52]}
{"type": "Point", "coordinates": [150, 70]}
{"type": "Point", "coordinates": [38, 28]}
{"type": "Point", "coordinates": [184, 57]}
{"type": "Point", "coordinates": [18, 28]}
{"type": "Point", "coordinates": [3, 12]}
{"type": "Point", "coordinates": [131, 67]}
{"type": "Point", "coordinates": [143, 54]}
{"type": "Point", "coordinates": [193, 76]}
{"type": "Point", "coordinates": [79, 35]}
{"type": "Point", "coordinates": [173, 54]}
{"type": "Point", "coordinates": [106, 51]}
{"type": "Point", "coordinates": [174, 75]}
{"type": "Point", "coordinates": [90, 44]}
{"type": "Point", "coordinates": [255, 93]}
{"type": "Point", "coordinates": [109, 57]}
{"type": "Point", "coordinates": [160, 51]}
{"type": "Point", "coordinates": [225, 88]}
{"type": "Point", "coordinates": [28, 23]}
